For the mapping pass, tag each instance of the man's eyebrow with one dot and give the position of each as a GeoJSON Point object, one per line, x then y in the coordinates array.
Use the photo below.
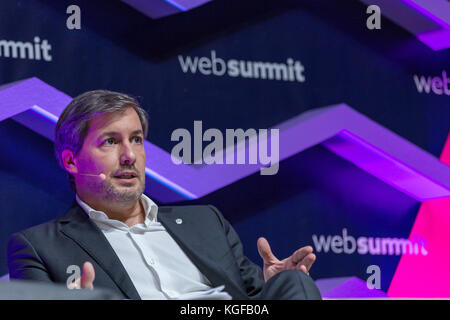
{"type": "Point", "coordinates": [113, 133]}
{"type": "Point", "coordinates": [108, 133]}
{"type": "Point", "coordinates": [135, 132]}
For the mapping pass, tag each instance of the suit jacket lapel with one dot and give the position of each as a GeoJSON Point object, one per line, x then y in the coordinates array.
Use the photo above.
{"type": "Point", "coordinates": [198, 253]}
{"type": "Point", "coordinates": [77, 225]}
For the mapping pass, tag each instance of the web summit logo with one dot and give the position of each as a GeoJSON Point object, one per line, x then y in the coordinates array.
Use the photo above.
{"type": "Point", "coordinates": [289, 71]}
{"type": "Point", "coordinates": [369, 245]}
{"type": "Point", "coordinates": [36, 50]}
{"type": "Point", "coordinates": [436, 85]}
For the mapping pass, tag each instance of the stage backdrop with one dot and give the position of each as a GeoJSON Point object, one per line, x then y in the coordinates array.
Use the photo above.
{"type": "Point", "coordinates": [363, 118]}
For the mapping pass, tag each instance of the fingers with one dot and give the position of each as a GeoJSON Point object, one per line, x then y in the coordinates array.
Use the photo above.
{"type": "Point", "coordinates": [88, 276]}
{"type": "Point", "coordinates": [301, 267]}
{"type": "Point", "coordinates": [307, 262]}
{"type": "Point", "coordinates": [303, 258]}
{"type": "Point", "coordinates": [301, 253]}
{"type": "Point", "coordinates": [264, 251]}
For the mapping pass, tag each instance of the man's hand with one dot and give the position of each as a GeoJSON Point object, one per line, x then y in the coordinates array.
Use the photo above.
{"type": "Point", "coordinates": [87, 276]}
{"type": "Point", "coordinates": [302, 259]}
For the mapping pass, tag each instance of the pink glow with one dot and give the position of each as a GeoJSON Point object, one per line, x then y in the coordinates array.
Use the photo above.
{"type": "Point", "coordinates": [427, 276]}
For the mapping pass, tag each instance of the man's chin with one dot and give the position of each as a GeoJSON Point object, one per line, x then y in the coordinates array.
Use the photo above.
{"type": "Point", "coordinates": [123, 192]}
{"type": "Point", "coordinates": [125, 196]}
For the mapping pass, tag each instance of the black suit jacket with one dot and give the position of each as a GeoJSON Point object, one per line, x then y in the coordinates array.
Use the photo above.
{"type": "Point", "coordinates": [43, 252]}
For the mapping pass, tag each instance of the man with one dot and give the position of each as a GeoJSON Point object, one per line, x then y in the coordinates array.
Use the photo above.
{"type": "Point", "coordinates": [127, 244]}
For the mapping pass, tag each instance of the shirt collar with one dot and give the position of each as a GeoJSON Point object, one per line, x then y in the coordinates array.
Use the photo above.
{"type": "Point", "coordinates": [150, 208]}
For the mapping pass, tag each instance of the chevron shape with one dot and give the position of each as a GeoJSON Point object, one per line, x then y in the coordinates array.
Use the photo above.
{"type": "Point", "coordinates": [340, 128]}
{"type": "Point", "coordinates": [347, 287]}
{"type": "Point", "coordinates": [427, 276]}
{"type": "Point", "coordinates": [161, 8]}
{"type": "Point", "coordinates": [428, 20]}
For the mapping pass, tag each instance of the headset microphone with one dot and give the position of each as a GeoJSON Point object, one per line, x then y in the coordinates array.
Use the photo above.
{"type": "Point", "coordinates": [101, 175]}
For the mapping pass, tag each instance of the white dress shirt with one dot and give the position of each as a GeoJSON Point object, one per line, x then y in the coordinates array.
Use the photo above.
{"type": "Point", "coordinates": [157, 266]}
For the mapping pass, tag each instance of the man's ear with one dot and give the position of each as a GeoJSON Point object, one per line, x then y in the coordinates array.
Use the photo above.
{"type": "Point", "coordinates": [69, 161]}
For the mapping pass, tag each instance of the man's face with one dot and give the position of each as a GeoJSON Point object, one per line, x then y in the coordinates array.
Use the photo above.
{"type": "Point", "coordinates": [113, 146]}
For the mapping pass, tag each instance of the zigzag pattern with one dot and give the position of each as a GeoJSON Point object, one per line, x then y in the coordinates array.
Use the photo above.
{"type": "Point", "coordinates": [340, 128]}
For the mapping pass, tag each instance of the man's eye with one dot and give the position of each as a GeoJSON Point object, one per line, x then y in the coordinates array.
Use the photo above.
{"type": "Point", "coordinates": [137, 139]}
{"type": "Point", "coordinates": [109, 141]}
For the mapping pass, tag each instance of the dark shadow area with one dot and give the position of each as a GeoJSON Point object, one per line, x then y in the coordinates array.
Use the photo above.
{"type": "Point", "coordinates": [34, 189]}
{"type": "Point", "coordinates": [160, 39]}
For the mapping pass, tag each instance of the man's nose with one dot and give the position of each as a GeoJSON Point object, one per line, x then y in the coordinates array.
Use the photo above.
{"type": "Point", "coordinates": [127, 155]}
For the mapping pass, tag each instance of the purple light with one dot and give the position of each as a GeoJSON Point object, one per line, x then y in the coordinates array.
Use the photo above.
{"type": "Point", "coordinates": [343, 130]}
{"type": "Point", "coordinates": [385, 167]}
{"type": "Point", "coordinates": [428, 20]}
{"type": "Point", "coordinates": [347, 287]}
{"type": "Point", "coordinates": [170, 184]}
{"type": "Point", "coordinates": [45, 114]}
{"type": "Point", "coordinates": [176, 5]}
{"type": "Point", "coordinates": [428, 6]}
{"type": "Point", "coordinates": [161, 8]}
{"type": "Point", "coordinates": [436, 40]}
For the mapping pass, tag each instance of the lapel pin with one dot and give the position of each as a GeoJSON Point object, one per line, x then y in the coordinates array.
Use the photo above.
{"type": "Point", "coordinates": [179, 221]}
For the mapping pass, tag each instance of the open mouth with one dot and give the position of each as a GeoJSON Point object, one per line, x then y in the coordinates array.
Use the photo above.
{"type": "Point", "coordinates": [126, 176]}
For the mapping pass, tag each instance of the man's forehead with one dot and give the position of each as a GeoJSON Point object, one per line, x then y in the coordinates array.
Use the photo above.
{"type": "Point", "coordinates": [126, 121]}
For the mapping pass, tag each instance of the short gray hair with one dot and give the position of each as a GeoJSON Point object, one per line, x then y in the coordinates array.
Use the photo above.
{"type": "Point", "coordinates": [73, 124]}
